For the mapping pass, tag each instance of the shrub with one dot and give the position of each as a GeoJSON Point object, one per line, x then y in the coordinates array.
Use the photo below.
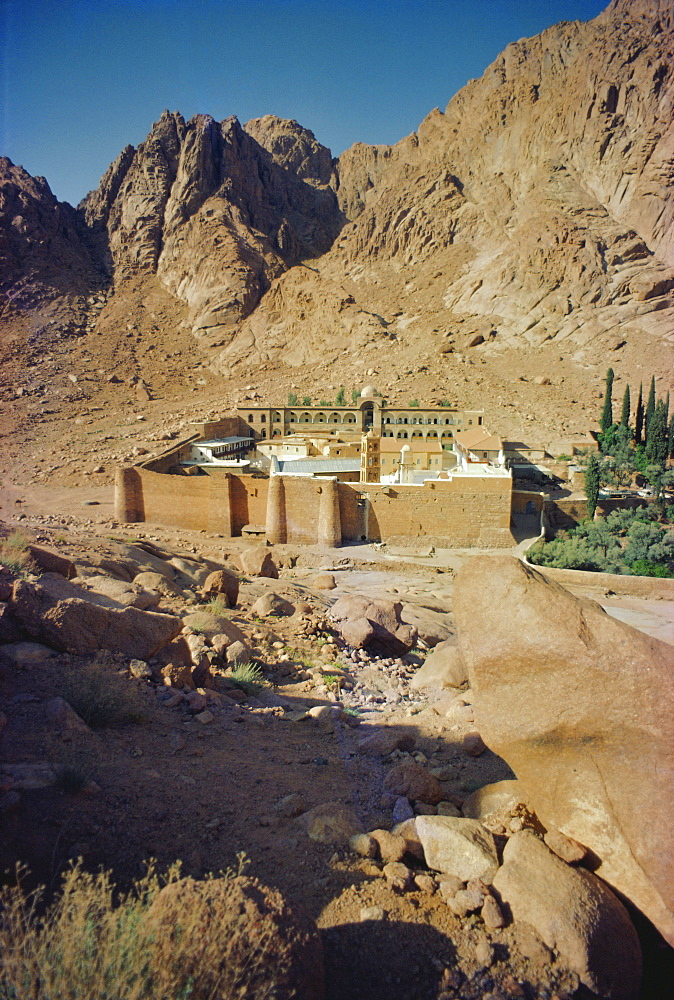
{"type": "Point", "coordinates": [642, 567]}
{"type": "Point", "coordinates": [102, 697]}
{"type": "Point", "coordinates": [249, 677]}
{"type": "Point", "coordinates": [413, 402]}
{"type": "Point", "coordinates": [216, 606]}
{"type": "Point", "coordinates": [14, 553]}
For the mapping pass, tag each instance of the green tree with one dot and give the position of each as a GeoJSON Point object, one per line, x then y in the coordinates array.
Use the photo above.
{"type": "Point", "coordinates": [413, 402]}
{"type": "Point", "coordinates": [606, 418]}
{"type": "Point", "coordinates": [592, 481]}
{"type": "Point", "coordinates": [670, 441]}
{"type": "Point", "coordinates": [355, 396]}
{"type": "Point", "coordinates": [639, 416]}
{"type": "Point", "coordinates": [306, 401]}
{"type": "Point", "coordinates": [626, 410]}
{"type": "Point", "coordinates": [340, 398]}
{"type": "Point", "coordinates": [657, 442]}
{"type": "Point", "coordinates": [292, 399]}
{"type": "Point", "coordinates": [650, 409]}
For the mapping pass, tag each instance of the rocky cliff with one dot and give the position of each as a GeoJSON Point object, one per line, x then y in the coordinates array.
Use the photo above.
{"type": "Point", "coordinates": [539, 207]}
{"type": "Point", "coordinates": [216, 211]}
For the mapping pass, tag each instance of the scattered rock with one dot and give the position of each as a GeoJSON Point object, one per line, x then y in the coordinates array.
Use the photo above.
{"type": "Point", "coordinates": [461, 847]}
{"type": "Point", "coordinates": [324, 581]}
{"type": "Point", "coordinates": [364, 844]}
{"type": "Point", "coordinates": [442, 668]}
{"type": "Point", "coordinates": [331, 823]}
{"type": "Point", "coordinates": [414, 782]}
{"type": "Point", "coordinates": [473, 744]}
{"type": "Point", "coordinates": [392, 847]}
{"type": "Point", "coordinates": [574, 913]}
{"type": "Point", "coordinates": [398, 876]}
{"type": "Point", "coordinates": [564, 847]}
{"type": "Point", "coordinates": [375, 625]}
{"type": "Point", "coordinates": [384, 741]}
{"type": "Point", "coordinates": [272, 604]}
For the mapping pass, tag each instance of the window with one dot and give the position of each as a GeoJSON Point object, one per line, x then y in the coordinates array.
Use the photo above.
{"type": "Point", "coordinates": [250, 418]}
{"type": "Point", "coordinates": [263, 418]}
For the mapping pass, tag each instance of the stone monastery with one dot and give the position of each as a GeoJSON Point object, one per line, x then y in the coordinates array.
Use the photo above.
{"type": "Point", "coordinates": [334, 474]}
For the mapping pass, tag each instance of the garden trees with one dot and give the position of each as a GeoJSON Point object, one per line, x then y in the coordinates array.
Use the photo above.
{"type": "Point", "coordinates": [625, 413]}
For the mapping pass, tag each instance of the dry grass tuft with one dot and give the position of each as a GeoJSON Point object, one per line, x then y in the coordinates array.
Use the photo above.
{"type": "Point", "coordinates": [169, 938]}
{"type": "Point", "coordinates": [101, 696]}
{"type": "Point", "coordinates": [14, 553]}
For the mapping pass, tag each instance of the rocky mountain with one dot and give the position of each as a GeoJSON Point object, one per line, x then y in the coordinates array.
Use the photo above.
{"type": "Point", "coordinates": [527, 230]}
{"type": "Point", "coordinates": [539, 207]}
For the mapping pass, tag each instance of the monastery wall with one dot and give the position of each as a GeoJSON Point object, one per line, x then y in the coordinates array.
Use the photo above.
{"type": "Point", "coordinates": [460, 512]}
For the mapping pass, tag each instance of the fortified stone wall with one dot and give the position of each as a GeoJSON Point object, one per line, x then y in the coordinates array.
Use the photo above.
{"type": "Point", "coordinates": [178, 452]}
{"type": "Point", "coordinates": [457, 512]}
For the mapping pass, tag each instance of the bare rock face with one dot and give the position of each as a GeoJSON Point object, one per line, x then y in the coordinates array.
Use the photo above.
{"type": "Point", "coordinates": [581, 707]}
{"type": "Point", "coordinates": [46, 262]}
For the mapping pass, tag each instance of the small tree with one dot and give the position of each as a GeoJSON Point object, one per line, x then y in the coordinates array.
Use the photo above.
{"type": "Point", "coordinates": [306, 401]}
{"type": "Point", "coordinates": [340, 398]}
{"type": "Point", "coordinates": [592, 482]}
{"type": "Point", "coordinates": [606, 418]}
{"type": "Point", "coordinates": [639, 417]}
{"type": "Point", "coordinates": [355, 396]}
{"type": "Point", "coordinates": [625, 413]}
{"type": "Point", "coordinates": [414, 402]}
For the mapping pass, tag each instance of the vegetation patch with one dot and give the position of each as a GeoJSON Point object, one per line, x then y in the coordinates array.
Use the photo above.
{"type": "Point", "coordinates": [101, 696]}
{"type": "Point", "coordinates": [249, 677]}
{"type": "Point", "coordinates": [14, 553]}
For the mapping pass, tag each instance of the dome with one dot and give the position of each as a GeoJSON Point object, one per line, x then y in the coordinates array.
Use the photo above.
{"type": "Point", "coordinates": [406, 447]}
{"type": "Point", "coordinates": [368, 392]}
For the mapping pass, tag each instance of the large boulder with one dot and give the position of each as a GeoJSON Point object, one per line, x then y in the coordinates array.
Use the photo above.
{"type": "Point", "coordinates": [52, 562]}
{"type": "Point", "coordinates": [414, 782]}
{"type": "Point", "coordinates": [257, 561]}
{"type": "Point", "coordinates": [574, 913]}
{"type": "Point", "coordinates": [443, 668]}
{"type": "Point", "coordinates": [222, 582]}
{"type": "Point", "coordinates": [582, 708]}
{"type": "Point", "coordinates": [74, 624]}
{"type": "Point", "coordinates": [331, 823]}
{"type": "Point", "coordinates": [230, 937]}
{"type": "Point", "coordinates": [375, 625]}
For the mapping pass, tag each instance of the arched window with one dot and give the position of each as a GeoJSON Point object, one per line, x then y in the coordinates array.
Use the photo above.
{"type": "Point", "coordinates": [263, 418]}
{"type": "Point", "coordinates": [250, 418]}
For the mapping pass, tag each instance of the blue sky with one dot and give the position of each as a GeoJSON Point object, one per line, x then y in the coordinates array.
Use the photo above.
{"type": "Point", "coordinates": [79, 79]}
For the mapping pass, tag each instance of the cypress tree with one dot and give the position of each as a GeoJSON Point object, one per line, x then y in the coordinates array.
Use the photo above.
{"type": "Point", "coordinates": [639, 416]}
{"type": "Point", "coordinates": [592, 483]}
{"type": "Point", "coordinates": [607, 412]}
{"type": "Point", "coordinates": [625, 415]}
{"type": "Point", "coordinates": [650, 409]}
{"type": "Point", "coordinates": [670, 443]}
{"type": "Point", "coordinates": [658, 435]}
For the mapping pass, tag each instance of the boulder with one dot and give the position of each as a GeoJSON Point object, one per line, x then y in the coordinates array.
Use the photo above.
{"type": "Point", "coordinates": [149, 580]}
{"type": "Point", "coordinates": [52, 562]}
{"type": "Point", "coordinates": [324, 581]}
{"type": "Point", "coordinates": [76, 625]}
{"type": "Point", "coordinates": [497, 801]}
{"type": "Point", "coordinates": [458, 846]}
{"type": "Point", "coordinates": [25, 654]}
{"type": "Point", "coordinates": [581, 706]}
{"type": "Point", "coordinates": [272, 604]}
{"type": "Point", "coordinates": [63, 718]}
{"type": "Point", "coordinates": [126, 595]}
{"type": "Point", "coordinates": [384, 741]}
{"type": "Point", "coordinates": [138, 560]}
{"type": "Point", "coordinates": [575, 913]}
{"type": "Point", "coordinates": [232, 937]}
{"type": "Point", "coordinates": [208, 625]}
{"type": "Point", "coordinates": [392, 847]}
{"type": "Point", "coordinates": [376, 625]}
{"type": "Point", "coordinates": [221, 581]}
{"type": "Point", "coordinates": [331, 823]}
{"type": "Point", "coordinates": [443, 668]}
{"type": "Point", "coordinates": [414, 782]}
{"type": "Point", "coordinates": [257, 561]}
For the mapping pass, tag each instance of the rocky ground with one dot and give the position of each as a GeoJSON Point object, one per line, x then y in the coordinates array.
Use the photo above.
{"type": "Point", "coordinates": [207, 773]}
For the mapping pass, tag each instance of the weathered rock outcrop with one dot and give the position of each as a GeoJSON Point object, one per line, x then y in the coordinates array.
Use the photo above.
{"type": "Point", "coordinates": [581, 707]}
{"type": "Point", "coordinates": [375, 625]}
